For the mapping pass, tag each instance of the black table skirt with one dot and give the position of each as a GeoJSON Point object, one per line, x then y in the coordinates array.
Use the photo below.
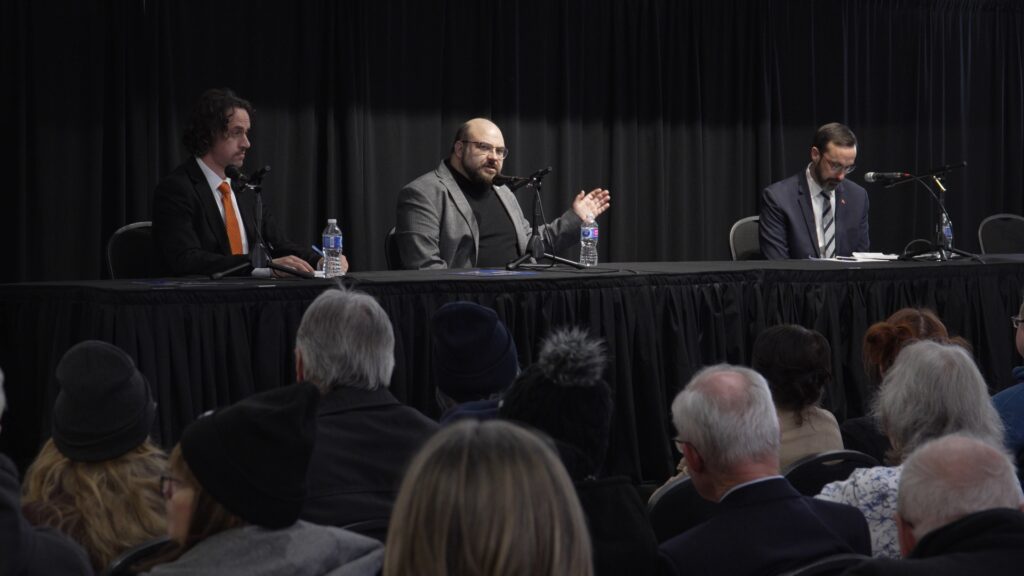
{"type": "Point", "coordinates": [206, 344]}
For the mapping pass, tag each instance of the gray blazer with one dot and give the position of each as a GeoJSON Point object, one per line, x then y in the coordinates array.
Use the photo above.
{"type": "Point", "coordinates": [436, 227]}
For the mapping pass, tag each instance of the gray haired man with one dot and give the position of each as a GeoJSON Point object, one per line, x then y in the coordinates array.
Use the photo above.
{"type": "Point", "coordinates": [958, 512]}
{"type": "Point", "coordinates": [365, 436]}
{"type": "Point", "coordinates": [729, 434]}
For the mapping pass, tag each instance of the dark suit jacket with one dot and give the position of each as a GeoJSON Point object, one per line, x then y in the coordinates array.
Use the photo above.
{"type": "Point", "coordinates": [787, 228]}
{"type": "Point", "coordinates": [766, 528]}
{"type": "Point", "coordinates": [436, 227]}
{"type": "Point", "coordinates": [989, 543]}
{"type": "Point", "coordinates": [26, 550]}
{"type": "Point", "coordinates": [364, 441]}
{"type": "Point", "coordinates": [190, 233]}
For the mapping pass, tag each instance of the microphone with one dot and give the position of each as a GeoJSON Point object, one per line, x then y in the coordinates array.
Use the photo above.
{"type": "Point", "coordinates": [885, 176]}
{"type": "Point", "coordinates": [257, 176]}
{"type": "Point", "coordinates": [233, 172]}
{"type": "Point", "coordinates": [516, 182]}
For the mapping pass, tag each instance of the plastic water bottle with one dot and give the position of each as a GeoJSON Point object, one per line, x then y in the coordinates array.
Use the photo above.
{"type": "Point", "coordinates": [945, 232]}
{"type": "Point", "coordinates": [332, 249]}
{"type": "Point", "coordinates": [588, 241]}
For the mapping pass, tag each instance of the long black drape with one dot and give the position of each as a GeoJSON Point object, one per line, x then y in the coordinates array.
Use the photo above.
{"type": "Point", "coordinates": [206, 345]}
{"type": "Point", "coordinates": [683, 109]}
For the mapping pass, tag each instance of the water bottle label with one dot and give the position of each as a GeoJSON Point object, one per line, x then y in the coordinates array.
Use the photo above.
{"type": "Point", "coordinates": [588, 233]}
{"type": "Point", "coordinates": [332, 242]}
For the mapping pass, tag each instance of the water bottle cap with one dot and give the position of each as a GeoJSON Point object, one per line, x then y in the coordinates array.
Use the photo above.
{"type": "Point", "coordinates": [332, 220]}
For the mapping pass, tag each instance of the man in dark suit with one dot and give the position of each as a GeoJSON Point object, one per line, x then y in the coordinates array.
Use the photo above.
{"type": "Point", "coordinates": [817, 213]}
{"type": "Point", "coordinates": [202, 225]}
{"type": "Point", "coordinates": [365, 436]}
{"type": "Point", "coordinates": [958, 512]}
{"type": "Point", "coordinates": [455, 217]}
{"type": "Point", "coordinates": [728, 433]}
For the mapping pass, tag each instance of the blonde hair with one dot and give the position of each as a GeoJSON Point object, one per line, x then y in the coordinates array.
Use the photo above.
{"type": "Point", "coordinates": [487, 499]}
{"type": "Point", "coordinates": [107, 507]}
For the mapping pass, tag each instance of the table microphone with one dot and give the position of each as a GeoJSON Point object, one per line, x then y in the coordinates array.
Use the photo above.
{"type": "Point", "coordinates": [886, 176]}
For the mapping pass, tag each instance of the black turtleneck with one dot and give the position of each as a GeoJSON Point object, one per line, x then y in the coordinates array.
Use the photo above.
{"type": "Point", "coordinates": [498, 243]}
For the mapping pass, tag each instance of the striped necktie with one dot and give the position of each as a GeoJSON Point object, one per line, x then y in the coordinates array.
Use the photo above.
{"type": "Point", "coordinates": [230, 220]}
{"type": "Point", "coordinates": [827, 227]}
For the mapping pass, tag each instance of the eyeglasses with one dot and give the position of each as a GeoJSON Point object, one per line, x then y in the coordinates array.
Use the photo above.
{"type": "Point", "coordinates": [836, 167]}
{"type": "Point", "coordinates": [487, 149]}
{"type": "Point", "coordinates": [237, 133]}
{"type": "Point", "coordinates": [168, 485]}
{"type": "Point", "coordinates": [1016, 320]}
{"type": "Point", "coordinates": [679, 443]}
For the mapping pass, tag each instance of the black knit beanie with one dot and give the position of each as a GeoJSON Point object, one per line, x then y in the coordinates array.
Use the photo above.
{"type": "Point", "coordinates": [104, 407]}
{"type": "Point", "coordinates": [252, 456]}
{"type": "Point", "coordinates": [564, 395]}
{"type": "Point", "coordinates": [473, 355]}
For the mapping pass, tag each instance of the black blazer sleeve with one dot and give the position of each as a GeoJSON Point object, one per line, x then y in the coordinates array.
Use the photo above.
{"type": "Point", "coordinates": [772, 227]}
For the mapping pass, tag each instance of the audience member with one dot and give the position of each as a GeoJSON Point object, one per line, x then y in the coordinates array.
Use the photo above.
{"type": "Point", "coordinates": [797, 363]}
{"type": "Point", "coordinates": [26, 550]}
{"type": "Point", "coordinates": [345, 346]}
{"type": "Point", "coordinates": [882, 343]}
{"type": "Point", "coordinates": [97, 478]}
{"type": "Point", "coordinates": [1010, 402]}
{"type": "Point", "coordinates": [933, 389]}
{"type": "Point", "coordinates": [487, 498]}
{"type": "Point", "coordinates": [729, 434]}
{"type": "Point", "coordinates": [235, 490]}
{"type": "Point", "coordinates": [959, 512]}
{"type": "Point", "coordinates": [474, 360]}
{"type": "Point", "coordinates": [564, 395]}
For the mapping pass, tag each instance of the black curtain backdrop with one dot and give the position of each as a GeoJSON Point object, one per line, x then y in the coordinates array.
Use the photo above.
{"type": "Point", "coordinates": [685, 110]}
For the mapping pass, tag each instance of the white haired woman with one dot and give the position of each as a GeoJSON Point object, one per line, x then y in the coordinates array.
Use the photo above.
{"type": "Point", "coordinates": [932, 390]}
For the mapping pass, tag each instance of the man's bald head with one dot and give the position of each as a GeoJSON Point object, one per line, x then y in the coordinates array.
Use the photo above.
{"type": "Point", "coordinates": [478, 151]}
{"type": "Point", "coordinates": [473, 127]}
{"type": "Point", "coordinates": [727, 413]}
{"type": "Point", "coordinates": [951, 477]}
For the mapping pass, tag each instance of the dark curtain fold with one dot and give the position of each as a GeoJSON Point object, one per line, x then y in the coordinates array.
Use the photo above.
{"type": "Point", "coordinates": [685, 110]}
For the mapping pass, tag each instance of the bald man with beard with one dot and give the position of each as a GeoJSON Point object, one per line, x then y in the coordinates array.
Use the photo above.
{"type": "Point", "coordinates": [455, 217]}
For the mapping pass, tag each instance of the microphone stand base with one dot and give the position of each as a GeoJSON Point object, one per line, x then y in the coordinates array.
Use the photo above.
{"type": "Point", "coordinates": [936, 254]}
{"type": "Point", "coordinates": [524, 260]}
{"type": "Point", "coordinates": [528, 263]}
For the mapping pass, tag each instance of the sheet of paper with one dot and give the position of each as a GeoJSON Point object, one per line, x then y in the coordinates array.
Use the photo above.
{"type": "Point", "coordinates": [873, 256]}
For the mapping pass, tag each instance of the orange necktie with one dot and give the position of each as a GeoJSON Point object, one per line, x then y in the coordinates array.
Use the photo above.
{"type": "Point", "coordinates": [230, 220]}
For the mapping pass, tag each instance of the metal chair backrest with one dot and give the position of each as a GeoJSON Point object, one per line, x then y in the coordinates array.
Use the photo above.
{"type": "Point", "coordinates": [678, 508]}
{"type": "Point", "coordinates": [744, 240]}
{"type": "Point", "coordinates": [811, 473]}
{"type": "Point", "coordinates": [1001, 234]}
{"type": "Point", "coordinates": [132, 253]}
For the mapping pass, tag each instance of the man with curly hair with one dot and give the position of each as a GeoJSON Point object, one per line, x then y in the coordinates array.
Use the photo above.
{"type": "Point", "coordinates": [201, 224]}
